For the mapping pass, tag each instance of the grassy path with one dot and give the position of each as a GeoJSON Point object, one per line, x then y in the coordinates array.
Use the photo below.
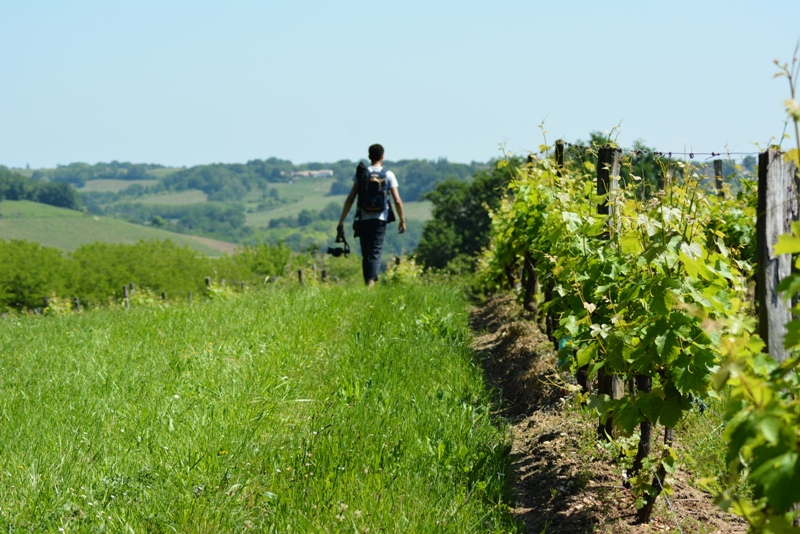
{"type": "Point", "coordinates": [313, 410]}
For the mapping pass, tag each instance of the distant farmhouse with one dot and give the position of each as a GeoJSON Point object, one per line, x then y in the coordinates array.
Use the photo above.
{"type": "Point", "coordinates": [313, 174]}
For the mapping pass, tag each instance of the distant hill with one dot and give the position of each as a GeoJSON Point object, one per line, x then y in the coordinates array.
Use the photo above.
{"type": "Point", "coordinates": [68, 229]}
{"type": "Point", "coordinates": [261, 201]}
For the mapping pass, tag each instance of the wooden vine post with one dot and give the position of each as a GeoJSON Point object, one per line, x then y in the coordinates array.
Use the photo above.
{"type": "Point", "coordinates": [559, 156]}
{"type": "Point", "coordinates": [719, 177]}
{"type": "Point", "coordinates": [608, 165]}
{"type": "Point", "coordinates": [776, 208]}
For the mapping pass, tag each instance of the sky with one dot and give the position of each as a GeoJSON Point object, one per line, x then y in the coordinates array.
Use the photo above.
{"type": "Point", "coordinates": [182, 83]}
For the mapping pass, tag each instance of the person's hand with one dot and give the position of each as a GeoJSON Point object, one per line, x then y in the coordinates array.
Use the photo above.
{"type": "Point", "coordinates": [340, 231]}
{"type": "Point", "coordinates": [402, 227]}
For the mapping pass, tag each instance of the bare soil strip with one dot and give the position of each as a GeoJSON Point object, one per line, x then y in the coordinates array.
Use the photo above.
{"type": "Point", "coordinates": [564, 481]}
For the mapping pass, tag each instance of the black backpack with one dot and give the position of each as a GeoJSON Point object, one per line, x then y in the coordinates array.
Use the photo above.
{"type": "Point", "coordinates": [373, 189]}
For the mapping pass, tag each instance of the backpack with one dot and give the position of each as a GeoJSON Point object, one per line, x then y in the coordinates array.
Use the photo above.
{"type": "Point", "coordinates": [373, 189]}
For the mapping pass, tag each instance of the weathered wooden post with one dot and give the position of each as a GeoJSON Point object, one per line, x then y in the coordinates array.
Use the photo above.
{"type": "Point", "coordinates": [300, 277]}
{"type": "Point", "coordinates": [608, 165]}
{"type": "Point", "coordinates": [530, 278]}
{"type": "Point", "coordinates": [191, 295]}
{"type": "Point", "coordinates": [776, 208]}
{"type": "Point", "coordinates": [76, 303]}
{"type": "Point", "coordinates": [127, 296]}
{"type": "Point", "coordinates": [241, 286]}
{"type": "Point", "coordinates": [163, 295]}
{"type": "Point", "coordinates": [719, 177]}
{"type": "Point", "coordinates": [324, 275]}
{"type": "Point", "coordinates": [559, 156]}
{"type": "Point", "coordinates": [530, 284]}
{"type": "Point", "coordinates": [208, 282]}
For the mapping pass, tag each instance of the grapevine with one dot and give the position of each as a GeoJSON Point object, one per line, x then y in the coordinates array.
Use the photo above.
{"type": "Point", "coordinates": [632, 291]}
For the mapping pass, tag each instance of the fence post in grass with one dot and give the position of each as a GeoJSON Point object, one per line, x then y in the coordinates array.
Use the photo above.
{"type": "Point", "coordinates": [300, 277]}
{"type": "Point", "coordinates": [127, 296]}
{"type": "Point", "coordinates": [719, 177]}
{"type": "Point", "coordinates": [608, 165]}
{"type": "Point", "coordinates": [776, 207]}
{"type": "Point", "coordinates": [324, 275]}
{"type": "Point", "coordinates": [132, 287]}
{"type": "Point", "coordinates": [163, 295]}
{"type": "Point", "coordinates": [241, 285]}
{"type": "Point", "coordinates": [76, 303]}
{"type": "Point", "coordinates": [46, 301]}
{"type": "Point", "coordinates": [208, 282]}
{"type": "Point", "coordinates": [190, 297]}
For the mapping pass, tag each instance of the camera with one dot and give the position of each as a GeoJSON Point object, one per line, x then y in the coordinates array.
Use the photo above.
{"type": "Point", "coordinates": [338, 251]}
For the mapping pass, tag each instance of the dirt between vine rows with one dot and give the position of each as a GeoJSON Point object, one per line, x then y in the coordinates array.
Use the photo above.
{"type": "Point", "coordinates": [564, 482]}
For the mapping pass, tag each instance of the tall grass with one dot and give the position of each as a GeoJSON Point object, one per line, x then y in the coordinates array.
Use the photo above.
{"type": "Point", "coordinates": [306, 410]}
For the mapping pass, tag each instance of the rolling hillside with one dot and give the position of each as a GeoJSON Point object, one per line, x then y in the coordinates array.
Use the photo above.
{"type": "Point", "coordinates": [68, 229]}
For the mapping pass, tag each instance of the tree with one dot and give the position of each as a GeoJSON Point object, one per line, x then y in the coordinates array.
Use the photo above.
{"type": "Point", "coordinates": [461, 223]}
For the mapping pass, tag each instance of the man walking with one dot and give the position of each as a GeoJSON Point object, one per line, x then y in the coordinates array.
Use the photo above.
{"type": "Point", "coordinates": [372, 185]}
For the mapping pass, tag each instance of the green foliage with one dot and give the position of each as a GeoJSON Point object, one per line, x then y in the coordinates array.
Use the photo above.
{"type": "Point", "coordinates": [764, 409]}
{"type": "Point", "coordinates": [16, 187]}
{"type": "Point", "coordinates": [30, 272]}
{"type": "Point", "coordinates": [324, 409]}
{"type": "Point", "coordinates": [763, 416]}
{"type": "Point", "coordinates": [100, 271]}
{"type": "Point", "coordinates": [265, 260]}
{"type": "Point", "coordinates": [406, 271]}
{"type": "Point", "coordinates": [161, 266]}
{"type": "Point", "coordinates": [633, 290]}
{"type": "Point", "coordinates": [461, 221]}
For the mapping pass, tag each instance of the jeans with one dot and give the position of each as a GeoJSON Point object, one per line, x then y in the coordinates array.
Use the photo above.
{"type": "Point", "coordinates": [371, 236]}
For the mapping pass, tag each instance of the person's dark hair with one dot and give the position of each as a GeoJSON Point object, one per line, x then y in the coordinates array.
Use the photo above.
{"type": "Point", "coordinates": [375, 153]}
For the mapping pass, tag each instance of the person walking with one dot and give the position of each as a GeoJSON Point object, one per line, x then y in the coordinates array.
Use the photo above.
{"type": "Point", "coordinates": [372, 185]}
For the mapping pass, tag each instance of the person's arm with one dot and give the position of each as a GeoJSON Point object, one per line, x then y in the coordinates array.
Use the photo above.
{"type": "Point", "coordinates": [348, 203]}
{"type": "Point", "coordinates": [398, 205]}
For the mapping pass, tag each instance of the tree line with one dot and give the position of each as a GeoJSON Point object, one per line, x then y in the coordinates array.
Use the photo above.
{"type": "Point", "coordinates": [416, 177]}
{"type": "Point", "coordinates": [14, 186]}
{"type": "Point", "coordinates": [79, 173]}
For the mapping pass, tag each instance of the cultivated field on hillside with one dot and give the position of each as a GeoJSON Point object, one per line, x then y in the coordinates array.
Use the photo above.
{"type": "Point", "coordinates": [68, 229]}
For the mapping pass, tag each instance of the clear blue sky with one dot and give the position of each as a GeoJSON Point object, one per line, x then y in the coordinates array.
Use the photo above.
{"type": "Point", "coordinates": [202, 81]}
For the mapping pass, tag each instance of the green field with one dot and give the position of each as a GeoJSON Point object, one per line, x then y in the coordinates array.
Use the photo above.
{"type": "Point", "coordinates": [290, 409]}
{"type": "Point", "coordinates": [68, 229]}
{"type": "Point", "coordinates": [190, 196]}
{"type": "Point", "coordinates": [113, 186]}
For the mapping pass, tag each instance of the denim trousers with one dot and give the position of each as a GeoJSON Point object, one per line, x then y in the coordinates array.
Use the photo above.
{"type": "Point", "coordinates": [371, 236]}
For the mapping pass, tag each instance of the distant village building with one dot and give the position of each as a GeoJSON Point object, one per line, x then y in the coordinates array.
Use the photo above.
{"type": "Point", "coordinates": [314, 174]}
